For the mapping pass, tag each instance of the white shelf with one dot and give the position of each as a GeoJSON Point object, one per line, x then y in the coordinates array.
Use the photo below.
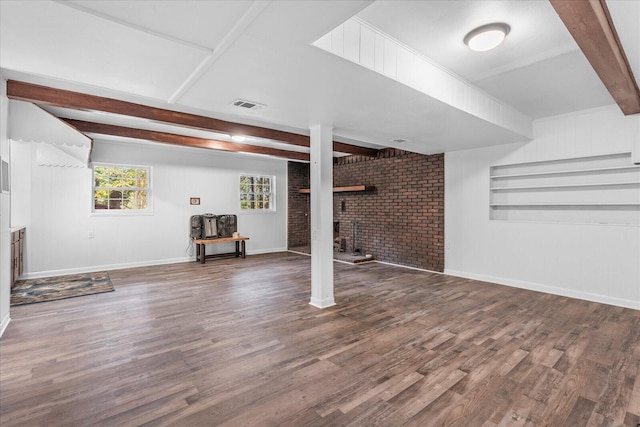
{"type": "Point", "coordinates": [563, 204]}
{"type": "Point", "coordinates": [596, 190]}
{"type": "Point", "coordinates": [596, 184]}
{"type": "Point", "coordinates": [567, 172]}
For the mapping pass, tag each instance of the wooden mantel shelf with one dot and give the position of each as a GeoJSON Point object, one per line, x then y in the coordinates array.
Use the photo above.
{"type": "Point", "coordinates": [344, 189]}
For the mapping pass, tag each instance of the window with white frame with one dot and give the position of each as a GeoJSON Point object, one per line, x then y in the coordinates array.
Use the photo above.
{"type": "Point", "coordinates": [121, 188]}
{"type": "Point", "coordinates": [257, 192]}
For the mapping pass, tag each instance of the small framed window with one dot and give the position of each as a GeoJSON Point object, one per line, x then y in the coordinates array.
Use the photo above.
{"type": "Point", "coordinates": [121, 188]}
{"type": "Point", "coordinates": [257, 193]}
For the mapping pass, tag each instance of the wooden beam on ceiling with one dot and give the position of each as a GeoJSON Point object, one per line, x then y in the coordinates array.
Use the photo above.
{"type": "Point", "coordinates": [44, 95]}
{"type": "Point", "coordinates": [183, 140]}
{"type": "Point", "coordinates": [341, 147]}
{"type": "Point", "coordinates": [590, 24]}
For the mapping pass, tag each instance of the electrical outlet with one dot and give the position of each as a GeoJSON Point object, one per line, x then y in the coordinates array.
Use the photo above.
{"type": "Point", "coordinates": [91, 235]}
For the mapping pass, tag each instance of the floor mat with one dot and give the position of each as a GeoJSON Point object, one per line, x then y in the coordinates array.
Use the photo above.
{"type": "Point", "coordinates": [60, 287]}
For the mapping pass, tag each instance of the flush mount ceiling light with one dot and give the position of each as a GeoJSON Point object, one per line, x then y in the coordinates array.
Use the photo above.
{"type": "Point", "coordinates": [487, 36]}
{"type": "Point", "coordinates": [237, 138]}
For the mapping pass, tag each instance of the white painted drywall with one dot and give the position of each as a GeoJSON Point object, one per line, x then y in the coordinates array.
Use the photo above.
{"type": "Point", "coordinates": [54, 203]}
{"type": "Point", "coordinates": [5, 244]}
{"type": "Point", "coordinates": [587, 261]}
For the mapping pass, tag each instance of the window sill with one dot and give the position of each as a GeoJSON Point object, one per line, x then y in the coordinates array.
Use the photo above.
{"type": "Point", "coordinates": [256, 212]}
{"type": "Point", "coordinates": [117, 213]}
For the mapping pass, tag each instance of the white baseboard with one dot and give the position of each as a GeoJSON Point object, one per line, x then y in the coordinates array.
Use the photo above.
{"type": "Point", "coordinates": [103, 267]}
{"type": "Point", "coordinates": [322, 303]}
{"type": "Point", "coordinates": [107, 267]}
{"type": "Point", "coordinates": [298, 253]}
{"type": "Point", "coordinates": [369, 262]}
{"type": "Point", "coordinates": [410, 268]}
{"type": "Point", "coordinates": [266, 251]}
{"type": "Point", "coordinates": [571, 293]}
{"type": "Point", "coordinates": [4, 324]}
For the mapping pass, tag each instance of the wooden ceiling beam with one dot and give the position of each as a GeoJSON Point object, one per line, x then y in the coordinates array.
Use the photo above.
{"type": "Point", "coordinates": [590, 24]}
{"type": "Point", "coordinates": [44, 95]}
{"type": "Point", "coordinates": [341, 147]}
{"type": "Point", "coordinates": [183, 140]}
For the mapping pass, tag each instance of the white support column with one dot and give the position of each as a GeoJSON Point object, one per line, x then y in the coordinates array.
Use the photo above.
{"type": "Point", "coordinates": [321, 216]}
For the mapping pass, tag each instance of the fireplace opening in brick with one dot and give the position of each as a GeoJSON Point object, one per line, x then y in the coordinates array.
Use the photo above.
{"type": "Point", "coordinates": [356, 237]}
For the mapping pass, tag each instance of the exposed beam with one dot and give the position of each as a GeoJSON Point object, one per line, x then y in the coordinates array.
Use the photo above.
{"type": "Point", "coordinates": [348, 189]}
{"type": "Point", "coordinates": [341, 147]}
{"type": "Point", "coordinates": [80, 101]}
{"type": "Point", "coordinates": [590, 24]}
{"type": "Point", "coordinates": [183, 140]}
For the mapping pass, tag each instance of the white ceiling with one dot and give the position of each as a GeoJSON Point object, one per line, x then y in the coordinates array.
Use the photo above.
{"type": "Point", "coordinates": [436, 29]}
{"type": "Point", "coordinates": [199, 56]}
{"type": "Point", "coordinates": [539, 69]}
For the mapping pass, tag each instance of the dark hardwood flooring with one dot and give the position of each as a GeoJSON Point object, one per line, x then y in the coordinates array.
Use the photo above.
{"type": "Point", "coordinates": [235, 342]}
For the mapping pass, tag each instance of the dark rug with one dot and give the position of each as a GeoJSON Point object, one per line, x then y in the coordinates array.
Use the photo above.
{"type": "Point", "coordinates": [60, 287]}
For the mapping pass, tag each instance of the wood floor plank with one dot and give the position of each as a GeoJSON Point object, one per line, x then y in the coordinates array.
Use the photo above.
{"type": "Point", "coordinates": [235, 342]}
{"type": "Point", "coordinates": [580, 413]}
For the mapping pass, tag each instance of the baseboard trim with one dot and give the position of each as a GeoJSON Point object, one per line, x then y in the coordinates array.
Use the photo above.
{"type": "Point", "coordinates": [107, 267]}
{"type": "Point", "coordinates": [362, 262]}
{"type": "Point", "coordinates": [298, 253]}
{"type": "Point", "coordinates": [406, 266]}
{"type": "Point", "coordinates": [587, 296]}
{"type": "Point", "coordinates": [4, 324]}
{"type": "Point", "coordinates": [266, 251]}
{"type": "Point", "coordinates": [324, 303]}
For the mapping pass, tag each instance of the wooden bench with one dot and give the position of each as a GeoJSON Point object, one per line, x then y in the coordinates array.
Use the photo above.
{"type": "Point", "coordinates": [202, 243]}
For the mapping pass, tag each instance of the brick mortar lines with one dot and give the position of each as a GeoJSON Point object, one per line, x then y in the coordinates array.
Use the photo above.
{"type": "Point", "coordinates": [299, 228]}
{"type": "Point", "coordinates": [401, 222]}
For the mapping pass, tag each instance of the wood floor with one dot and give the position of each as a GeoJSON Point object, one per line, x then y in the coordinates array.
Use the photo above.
{"type": "Point", "coordinates": [235, 342]}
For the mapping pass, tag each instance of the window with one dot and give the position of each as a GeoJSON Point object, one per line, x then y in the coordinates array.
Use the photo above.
{"type": "Point", "coordinates": [256, 192]}
{"type": "Point", "coordinates": [120, 188]}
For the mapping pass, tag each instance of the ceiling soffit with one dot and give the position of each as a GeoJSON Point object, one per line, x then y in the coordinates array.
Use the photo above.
{"type": "Point", "coordinates": [365, 45]}
{"type": "Point", "coordinates": [56, 143]}
{"type": "Point", "coordinates": [32, 124]}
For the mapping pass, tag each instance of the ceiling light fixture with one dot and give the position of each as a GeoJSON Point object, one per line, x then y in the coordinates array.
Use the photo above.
{"type": "Point", "coordinates": [487, 36]}
{"type": "Point", "coordinates": [237, 138]}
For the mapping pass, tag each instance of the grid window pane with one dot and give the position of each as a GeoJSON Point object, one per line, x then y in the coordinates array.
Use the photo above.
{"type": "Point", "coordinates": [256, 192]}
{"type": "Point", "coordinates": [120, 188]}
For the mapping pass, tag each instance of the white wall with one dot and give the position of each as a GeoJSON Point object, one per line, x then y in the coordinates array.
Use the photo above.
{"type": "Point", "coordinates": [54, 203]}
{"type": "Point", "coordinates": [5, 245]}
{"type": "Point", "coordinates": [592, 262]}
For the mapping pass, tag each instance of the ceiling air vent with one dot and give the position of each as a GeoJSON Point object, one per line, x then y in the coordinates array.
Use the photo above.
{"type": "Point", "coordinates": [249, 105]}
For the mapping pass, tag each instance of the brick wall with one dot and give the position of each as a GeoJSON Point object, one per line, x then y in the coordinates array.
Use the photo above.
{"type": "Point", "coordinates": [299, 231]}
{"type": "Point", "coordinates": [401, 222]}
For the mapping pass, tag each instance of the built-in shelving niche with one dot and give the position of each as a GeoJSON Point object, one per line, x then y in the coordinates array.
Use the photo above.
{"type": "Point", "coordinates": [596, 190]}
